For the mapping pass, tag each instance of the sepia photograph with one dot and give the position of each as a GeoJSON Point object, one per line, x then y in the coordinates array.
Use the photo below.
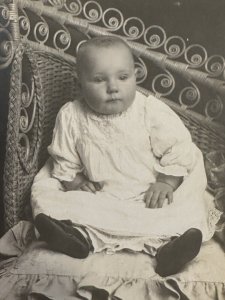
{"type": "Point", "coordinates": [112, 149]}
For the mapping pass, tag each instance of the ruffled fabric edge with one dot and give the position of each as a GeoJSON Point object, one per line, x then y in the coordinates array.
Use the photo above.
{"type": "Point", "coordinates": [193, 283]}
{"type": "Point", "coordinates": [93, 286]}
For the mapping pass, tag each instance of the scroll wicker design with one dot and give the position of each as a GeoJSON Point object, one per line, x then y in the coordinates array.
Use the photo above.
{"type": "Point", "coordinates": [54, 82]}
{"type": "Point", "coordinates": [13, 170]}
{"type": "Point", "coordinates": [43, 78]}
{"type": "Point", "coordinates": [55, 25]}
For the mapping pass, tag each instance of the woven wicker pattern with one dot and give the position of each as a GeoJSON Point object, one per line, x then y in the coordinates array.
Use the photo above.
{"type": "Point", "coordinates": [55, 84]}
{"type": "Point", "coordinates": [206, 135]}
{"type": "Point", "coordinates": [58, 79]}
{"type": "Point", "coordinates": [16, 181]}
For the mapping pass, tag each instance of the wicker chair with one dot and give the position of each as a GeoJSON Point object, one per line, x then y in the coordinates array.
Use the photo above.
{"type": "Point", "coordinates": [43, 78]}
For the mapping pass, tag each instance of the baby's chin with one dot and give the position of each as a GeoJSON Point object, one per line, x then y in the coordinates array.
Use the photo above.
{"type": "Point", "coordinates": [111, 108]}
{"type": "Point", "coordinates": [116, 107]}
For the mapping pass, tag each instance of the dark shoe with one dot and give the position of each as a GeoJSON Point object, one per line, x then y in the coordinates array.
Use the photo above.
{"type": "Point", "coordinates": [62, 237]}
{"type": "Point", "coordinates": [172, 257]}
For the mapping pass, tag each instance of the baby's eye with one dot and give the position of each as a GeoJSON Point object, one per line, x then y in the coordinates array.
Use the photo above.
{"type": "Point", "coordinates": [123, 77]}
{"type": "Point", "coordinates": [99, 79]}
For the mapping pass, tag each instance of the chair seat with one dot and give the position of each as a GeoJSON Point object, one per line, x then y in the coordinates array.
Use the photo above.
{"type": "Point", "coordinates": [35, 271]}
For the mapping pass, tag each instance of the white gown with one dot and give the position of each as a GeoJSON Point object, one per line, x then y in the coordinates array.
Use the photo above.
{"type": "Point", "coordinates": [125, 152]}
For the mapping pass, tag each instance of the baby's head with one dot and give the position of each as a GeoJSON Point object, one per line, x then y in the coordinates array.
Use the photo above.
{"type": "Point", "coordinates": [106, 74]}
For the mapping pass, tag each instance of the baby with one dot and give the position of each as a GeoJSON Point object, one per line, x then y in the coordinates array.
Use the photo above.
{"type": "Point", "coordinates": [128, 164]}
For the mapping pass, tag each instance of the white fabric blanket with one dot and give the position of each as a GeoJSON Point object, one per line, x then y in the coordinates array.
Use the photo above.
{"type": "Point", "coordinates": [110, 221]}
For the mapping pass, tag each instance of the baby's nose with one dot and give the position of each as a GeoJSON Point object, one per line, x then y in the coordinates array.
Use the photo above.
{"type": "Point", "coordinates": [112, 86]}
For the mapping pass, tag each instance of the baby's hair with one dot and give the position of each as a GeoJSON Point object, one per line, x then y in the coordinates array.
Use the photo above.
{"type": "Point", "coordinates": [103, 42]}
{"type": "Point", "coordinates": [100, 42]}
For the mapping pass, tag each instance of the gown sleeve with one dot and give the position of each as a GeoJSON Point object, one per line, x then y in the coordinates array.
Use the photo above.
{"type": "Point", "coordinates": [171, 141]}
{"type": "Point", "coordinates": [66, 161]}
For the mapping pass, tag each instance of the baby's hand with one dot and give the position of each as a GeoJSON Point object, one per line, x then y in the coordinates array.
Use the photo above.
{"type": "Point", "coordinates": [157, 194]}
{"type": "Point", "coordinates": [81, 182]}
{"type": "Point", "coordinates": [89, 186]}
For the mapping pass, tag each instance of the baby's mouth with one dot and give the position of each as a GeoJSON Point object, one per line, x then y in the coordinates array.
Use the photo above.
{"type": "Point", "coordinates": [113, 99]}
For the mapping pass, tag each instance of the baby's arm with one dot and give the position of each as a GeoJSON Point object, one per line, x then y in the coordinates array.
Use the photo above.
{"type": "Point", "coordinates": [63, 150]}
{"type": "Point", "coordinates": [161, 190]}
{"type": "Point", "coordinates": [81, 182]}
{"type": "Point", "coordinates": [172, 145]}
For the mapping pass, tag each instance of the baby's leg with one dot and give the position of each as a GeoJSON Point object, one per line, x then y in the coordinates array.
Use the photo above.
{"type": "Point", "coordinates": [172, 256]}
{"type": "Point", "coordinates": [62, 237]}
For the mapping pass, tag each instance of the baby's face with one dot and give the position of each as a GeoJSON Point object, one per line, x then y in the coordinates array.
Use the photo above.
{"type": "Point", "coordinates": [108, 79]}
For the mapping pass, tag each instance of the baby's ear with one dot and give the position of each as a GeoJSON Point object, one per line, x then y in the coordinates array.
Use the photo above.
{"type": "Point", "coordinates": [136, 72]}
